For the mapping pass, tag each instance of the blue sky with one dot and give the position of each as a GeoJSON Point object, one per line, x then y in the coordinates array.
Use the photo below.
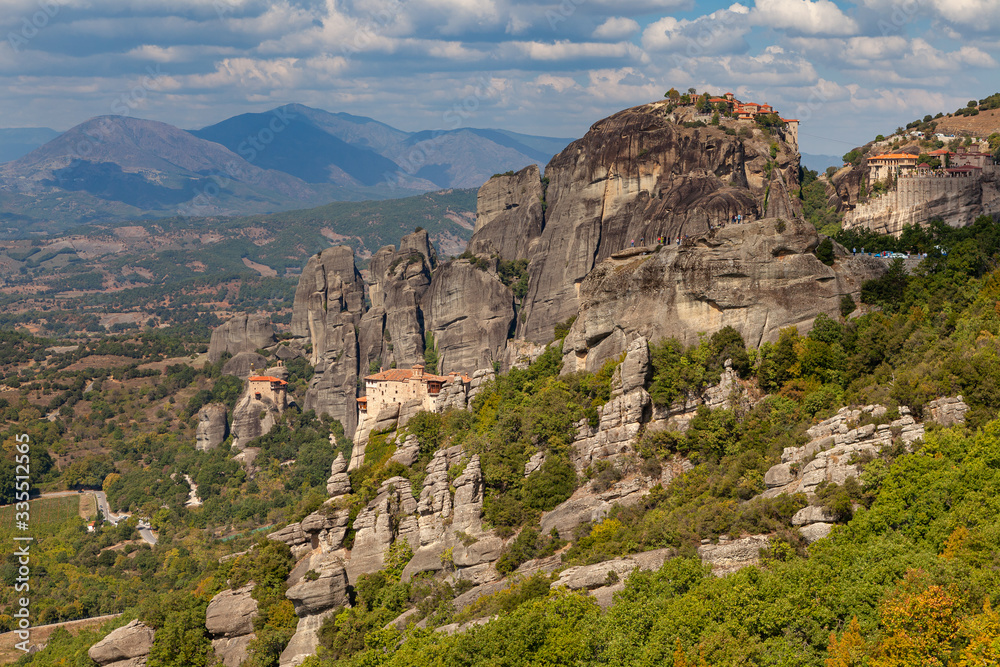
{"type": "Point", "coordinates": [848, 70]}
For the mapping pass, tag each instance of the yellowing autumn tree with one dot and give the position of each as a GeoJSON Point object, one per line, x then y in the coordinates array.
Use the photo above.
{"type": "Point", "coordinates": [983, 634]}
{"type": "Point", "coordinates": [920, 627]}
{"type": "Point", "coordinates": [850, 650]}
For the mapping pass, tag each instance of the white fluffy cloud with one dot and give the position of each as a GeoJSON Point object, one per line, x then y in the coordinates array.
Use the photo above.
{"type": "Point", "coordinates": [720, 32]}
{"type": "Point", "coordinates": [804, 17]}
{"type": "Point", "coordinates": [616, 27]}
{"type": "Point", "coordinates": [552, 66]}
{"type": "Point", "coordinates": [893, 57]}
{"type": "Point", "coordinates": [977, 16]}
{"type": "Point", "coordinates": [569, 51]}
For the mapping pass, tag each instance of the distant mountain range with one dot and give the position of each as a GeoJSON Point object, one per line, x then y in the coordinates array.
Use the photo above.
{"type": "Point", "coordinates": [19, 141]}
{"type": "Point", "coordinates": [117, 168]}
{"type": "Point", "coordinates": [821, 162]}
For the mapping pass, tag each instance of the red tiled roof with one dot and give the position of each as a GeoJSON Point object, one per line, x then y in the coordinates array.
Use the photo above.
{"type": "Point", "coordinates": [718, 99]}
{"type": "Point", "coordinates": [391, 375]}
{"type": "Point", "coordinates": [894, 156]}
{"type": "Point", "coordinates": [404, 374]}
{"type": "Point", "coordinates": [941, 151]}
{"type": "Point", "coordinates": [789, 120]}
{"type": "Point", "coordinates": [267, 378]}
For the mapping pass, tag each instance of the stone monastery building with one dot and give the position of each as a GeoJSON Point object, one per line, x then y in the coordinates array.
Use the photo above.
{"type": "Point", "coordinates": [269, 388]}
{"type": "Point", "coordinates": [402, 385]}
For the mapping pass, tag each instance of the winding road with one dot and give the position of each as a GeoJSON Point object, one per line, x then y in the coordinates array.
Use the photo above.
{"type": "Point", "coordinates": [102, 504]}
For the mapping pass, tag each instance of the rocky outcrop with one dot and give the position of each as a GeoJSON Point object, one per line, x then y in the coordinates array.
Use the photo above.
{"type": "Point", "coordinates": [758, 278]}
{"type": "Point", "coordinates": [392, 331]}
{"type": "Point", "coordinates": [305, 641]}
{"type": "Point", "coordinates": [387, 419]}
{"type": "Point", "coordinates": [388, 517]}
{"type": "Point", "coordinates": [612, 440]}
{"type": "Point", "coordinates": [814, 522]}
{"type": "Point", "coordinates": [229, 619]}
{"type": "Point", "coordinates": [836, 451]}
{"type": "Point", "coordinates": [329, 303]}
{"type": "Point", "coordinates": [590, 577]}
{"type": "Point", "coordinates": [470, 312]}
{"type": "Point", "coordinates": [447, 516]}
{"type": "Point", "coordinates": [128, 646]}
{"type": "Point", "coordinates": [324, 530]}
{"type": "Point", "coordinates": [836, 447]}
{"type": "Point", "coordinates": [587, 505]}
{"type": "Point", "coordinates": [243, 333]}
{"type": "Point", "coordinates": [621, 417]}
{"type": "Point", "coordinates": [338, 484]}
{"type": "Point", "coordinates": [244, 364]}
{"type": "Point", "coordinates": [509, 215]}
{"type": "Point", "coordinates": [947, 411]}
{"type": "Point", "coordinates": [407, 452]}
{"type": "Point", "coordinates": [731, 555]}
{"type": "Point", "coordinates": [324, 587]}
{"type": "Point", "coordinates": [252, 418]}
{"type": "Point", "coordinates": [231, 613]}
{"type": "Point", "coordinates": [638, 175]}
{"type": "Point", "coordinates": [452, 521]}
{"type": "Point", "coordinates": [212, 427]}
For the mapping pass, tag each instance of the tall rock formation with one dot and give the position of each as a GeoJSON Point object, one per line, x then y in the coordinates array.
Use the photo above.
{"type": "Point", "coordinates": [637, 175]}
{"type": "Point", "coordinates": [640, 174]}
{"type": "Point", "coordinates": [392, 331]}
{"type": "Point", "coordinates": [212, 427]}
{"type": "Point", "coordinates": [470, 314]}
{"type": "Point", "coordinates": [329, 304]}
{"type": "Point", "coordinates": [229, 620]}
{"type": "Point", "coordinates": [757, 277]}
{"type": "Point", "coordinates": [242, 333]}
{"type": "Point", "coordinates": [509, 214]}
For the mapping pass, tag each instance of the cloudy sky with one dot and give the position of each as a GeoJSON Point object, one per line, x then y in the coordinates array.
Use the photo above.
{"type": "Point", "coordinates": [848, 70]}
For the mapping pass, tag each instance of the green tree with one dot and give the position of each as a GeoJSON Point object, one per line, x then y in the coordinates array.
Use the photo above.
{"type": "Point", "coordinates": [824, 252]}
{"type": "Point", "coordinates": [430, 353]}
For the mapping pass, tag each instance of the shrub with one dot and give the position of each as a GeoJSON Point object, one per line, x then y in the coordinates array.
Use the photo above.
{"type": "Point", "coordinates": [824, 252]}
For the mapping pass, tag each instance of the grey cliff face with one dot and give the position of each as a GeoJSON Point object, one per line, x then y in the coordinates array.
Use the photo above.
{"type": "Point", "coordinates": [229, 619]}
{"type": "Point", "coordinates": [244, 364]}
{"type": "Point", "coordinates": [392, 331]}
{"type": "Point", "coordinates": [231, 613]}
{"type": "Point", "coordinates": [509, 215]}
{"type": "Point", "coordinates": [325, 590]}
{"type": "Point", "coordinates": [757, 277]}
{"type": "Point", "coordinates": [243, 333]}
{"type": "Point", "coordinates": [212, 427]}
{"type": "Point", "coordinates": [329, 304]}
{"type": "Point", "coordinates": [638, 175]}
{"type": "Point", "coordinates": [252, 418]}
{"type": "Point", "coordinates": [339, 484]}
{"type": "Point", "coordinates": [470, 313]}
